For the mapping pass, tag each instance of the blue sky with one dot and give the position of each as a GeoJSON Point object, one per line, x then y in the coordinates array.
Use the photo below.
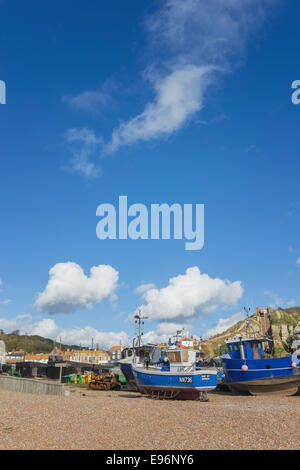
{"type": "Point", "coordinates": [232, 144]}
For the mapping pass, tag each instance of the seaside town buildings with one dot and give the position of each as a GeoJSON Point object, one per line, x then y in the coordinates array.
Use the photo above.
{"type": "Point", "coordinates": [83, 355]}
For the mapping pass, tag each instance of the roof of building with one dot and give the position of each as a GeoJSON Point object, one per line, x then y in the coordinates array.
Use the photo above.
{"type": "Point", "coordinates": [89, 351]}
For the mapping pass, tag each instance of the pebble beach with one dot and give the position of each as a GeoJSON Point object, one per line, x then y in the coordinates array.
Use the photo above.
{"type": "Point", "coordinates": [122, 420]}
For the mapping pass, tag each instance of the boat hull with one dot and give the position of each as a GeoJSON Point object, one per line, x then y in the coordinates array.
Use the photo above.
{"type": "Point", "coordinates": [169, 384]}
{"type": "Point", "coordinates": [273, 375]}
{"type": "Point", "coordinates": [285, 385]}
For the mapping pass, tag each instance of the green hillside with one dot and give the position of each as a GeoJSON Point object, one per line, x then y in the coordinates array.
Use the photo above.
{"type": "Point", "coordinates": [34, 344]}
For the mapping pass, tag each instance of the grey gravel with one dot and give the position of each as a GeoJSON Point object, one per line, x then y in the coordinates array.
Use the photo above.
{"type": "Point", "coordinates": [124, 420]}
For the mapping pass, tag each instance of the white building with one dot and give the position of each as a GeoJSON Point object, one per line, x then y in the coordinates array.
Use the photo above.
{"type": "Point", "coordinates": [2, 352]}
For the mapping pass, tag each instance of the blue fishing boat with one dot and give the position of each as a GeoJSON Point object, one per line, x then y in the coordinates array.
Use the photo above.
{"type": "Point", "coordinates": [150, 357]}
{"type": "Point", "coordinates": [174, 380]}
{"type": "Point", "coordinates": [249, 367]}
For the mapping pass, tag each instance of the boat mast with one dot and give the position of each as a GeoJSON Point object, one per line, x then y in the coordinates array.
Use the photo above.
{"type": "Point", "coordinates": [139, 321]}
{"type": "Point", "coordinates": [248, 324]}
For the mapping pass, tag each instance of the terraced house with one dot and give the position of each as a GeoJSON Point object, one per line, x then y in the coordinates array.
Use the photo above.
{"type": "Point", "coordinates": [96, 356]}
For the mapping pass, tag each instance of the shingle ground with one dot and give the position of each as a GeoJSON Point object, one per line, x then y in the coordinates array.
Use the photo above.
{"type": "Point", "coordinates": [90, 419]}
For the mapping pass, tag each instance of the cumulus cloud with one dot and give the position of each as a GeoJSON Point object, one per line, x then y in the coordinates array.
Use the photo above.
{"type": "Point", "coordinates": [223, 324]}
{"type": "Point", "coordinates": [105, 339]}
{"type": "Point", "coordinates": [189, 296]}
{"type": "Point", "coordinates": [46, 328]}
{"type": "Point", "coordinates": [69, 289]}
{"type": "Point", "coordinates": [298, 262]}
{"type": "Point", "coordinates": [76, 335]}
{"type": "Point", "coordinates": [163, 332]}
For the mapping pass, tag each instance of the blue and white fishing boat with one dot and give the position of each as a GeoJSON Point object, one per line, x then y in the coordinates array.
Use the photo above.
{"type": "Point", "coordinates": [149, 355]}
{"type": "Point", "coordinates": [248, 368]}
{"type": "Point", "coordinates": [175, 379]}
{"type": "Point", "coordinates": [184, 379]}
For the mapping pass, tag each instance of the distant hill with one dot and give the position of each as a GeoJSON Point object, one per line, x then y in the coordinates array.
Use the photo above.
{"type": "Point", "coordinates": [34, 344]}
{"type": "Point", "coordinates": [283, 322]}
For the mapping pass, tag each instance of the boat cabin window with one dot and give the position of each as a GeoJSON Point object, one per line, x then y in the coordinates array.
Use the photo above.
{"type": "Point", "coordinates": [184, 355]}
{"type": "Point", "coordinates": [129, 354]}
{"type": "Point", "coordinates": [236, 347]}
{"type": "Point", "coordinates": [174, 356]}
{"type": "Point", "coordinates": [229, 347]}
{"type": "Point", "coordinates": [255, 351]}
{"type": "Point", "coordinates": [178, 356]}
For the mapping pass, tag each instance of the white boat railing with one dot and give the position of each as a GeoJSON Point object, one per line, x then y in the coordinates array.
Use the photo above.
{"type": "Point", "coordinates": [178, 368]}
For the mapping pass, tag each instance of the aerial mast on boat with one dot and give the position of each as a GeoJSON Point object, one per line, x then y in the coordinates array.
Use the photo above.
{"type": "Point", "coordinates": [248, 324]}
{"type": "Point", "coordinates": [139, 322]}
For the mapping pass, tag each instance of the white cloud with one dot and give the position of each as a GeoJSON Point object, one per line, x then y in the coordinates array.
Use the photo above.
{"type": "Point", "coordinates": [76, 335]}
{"type": "Point", "coordinates": [69, 289]}
{"type": "Point", "coordinates": [84, 143]}
{"type": "Point", "coordinates": [46, 328]}
{"type": "Point", "coordinates": [105, 339]}
{"type": "Point", "coordinates": [178, 96]}
{"type": "Point", "coordinates": [190, 295]}
{"type": "Point", "coordinates": [94, 101]}
{"type": "Point", "coordinates": [163, 332]}
{"type": "Point", "coordinates": [223, 324]}
{"type": "Point", "coordinates": [298, 262]}
{"type": "Point", "coordinates": [142, 288]}
{"type": "Point", "coordinates": [21, 322]}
